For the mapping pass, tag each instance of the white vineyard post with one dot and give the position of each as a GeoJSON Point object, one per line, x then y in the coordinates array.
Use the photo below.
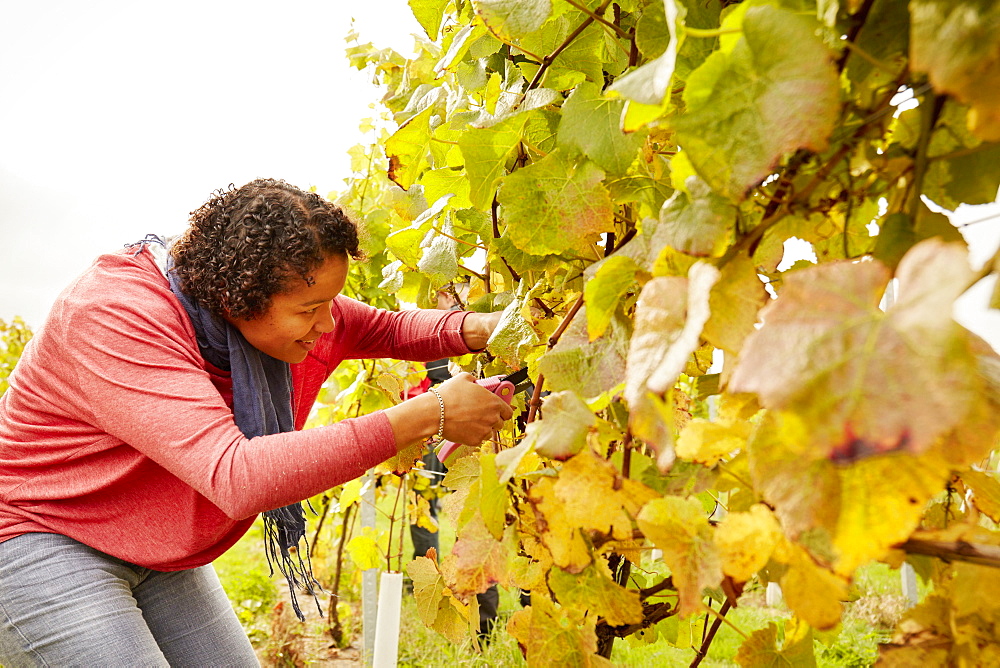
{"type": "Point", "coordinates": [369, 579]}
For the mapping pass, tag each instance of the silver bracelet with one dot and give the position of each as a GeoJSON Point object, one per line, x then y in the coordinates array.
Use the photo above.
{"type": "Point", "coordinates": [440, 431]}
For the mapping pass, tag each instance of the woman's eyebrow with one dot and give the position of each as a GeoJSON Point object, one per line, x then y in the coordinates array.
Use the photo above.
{"type": "Point", "coordinates": [316, 301]}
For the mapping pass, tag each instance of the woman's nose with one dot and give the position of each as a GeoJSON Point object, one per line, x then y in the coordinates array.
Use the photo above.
{"type": "Point", "coordinates": [324, 319]}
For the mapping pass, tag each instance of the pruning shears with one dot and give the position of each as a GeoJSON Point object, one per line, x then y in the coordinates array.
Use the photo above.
{"type": "Point", "coordinates": [504, 387]}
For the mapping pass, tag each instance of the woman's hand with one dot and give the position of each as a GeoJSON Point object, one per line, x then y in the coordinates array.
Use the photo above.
{"type": "Point", "coordinates": [471, 413]}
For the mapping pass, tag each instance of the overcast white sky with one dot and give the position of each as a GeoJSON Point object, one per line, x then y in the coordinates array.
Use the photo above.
{"type": "Point", "coordinates": [119, 118]}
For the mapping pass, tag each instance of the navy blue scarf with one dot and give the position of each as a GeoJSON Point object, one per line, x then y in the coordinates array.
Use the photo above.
{"type": "Point", "coordinates": [262, 405]}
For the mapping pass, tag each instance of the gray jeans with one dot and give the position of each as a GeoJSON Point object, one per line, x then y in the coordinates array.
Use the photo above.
{"type": "Point", "coordinates": [65, 604]}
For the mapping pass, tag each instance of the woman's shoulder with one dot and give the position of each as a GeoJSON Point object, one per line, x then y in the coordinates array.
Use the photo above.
{"type": "Point", "coordinates": [126, 286]}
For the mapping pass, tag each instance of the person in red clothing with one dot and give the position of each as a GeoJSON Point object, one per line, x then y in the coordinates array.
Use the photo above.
{"type": "Point", "coordinates": [156, 412]}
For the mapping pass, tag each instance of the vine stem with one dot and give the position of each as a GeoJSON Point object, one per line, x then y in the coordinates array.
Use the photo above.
{"type": "Point", "coordinates": [600, 19]}
{"type": "Point", "coordinates": [703, 650]}
{"type": "Point", "coordinates": [536, 396]}
{"type": "Point", "coordinates": [392, 519]}
{"type": "Point", "coordinates": [549, 59]}
{"type": "Point", "coordinates": [973, 553]}
{"type": "Point", "coordinates": [456, 239]}
{"type": "Point", "coordinates": [333, 618]}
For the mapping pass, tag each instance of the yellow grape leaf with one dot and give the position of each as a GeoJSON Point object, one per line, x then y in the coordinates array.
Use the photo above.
{"type": "Point", "coordinates": [392, 385]}
{"type": "Point", "coordinates": [735, 301]}
{"type": "Point", "coordinates": [957, 623]}
{"type": "Point", "coordinates": [419, 510]}
{"type": "Point", "coordinates": [589, 495]}
{"type": "Point", "coordinates": [364, 550]}
{"type": "Point", "coordinates": [437, 607]}
{"type": "Point", "coordinates": [404, 460]}
{"type": "Point", "coordinates": [707, 442]}
{"type": "Point", "coordinates": [811, 591]}
{"type": "Point", "coordinates": [860, 510]}
{"type": "Point", "coordinates": [922, 638]}
{"type": "Point", "coordinates": [985, 492]}
{"type": "Point", "coordinates": [864, 380]}
{"type": "Point", "coordinates": [550, 635]}
{"type": "Point", "coordinates": [761, 649]}
{"type": "Point", "coordinates": [680, 529]}
{"type": "Point", "coordinates": [528, 574]}
{"type": "Point", "coordinates": [746, 541]}
{"type": "Point", "coordinates": [350, 493]}
{"type": "Point", "coordinates": [477, 560]}
{"type": "Point", "coordinates": [594, 593]}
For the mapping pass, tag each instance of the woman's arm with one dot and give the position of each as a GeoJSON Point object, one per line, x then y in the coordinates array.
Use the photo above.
{"type": "Point", "coordinates": [477, 328]}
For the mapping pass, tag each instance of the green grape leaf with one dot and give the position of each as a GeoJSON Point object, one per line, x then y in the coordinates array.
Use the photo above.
{"type": "Point", "coordinates": [680, 529]}
{"type": "Point", "coordinates": [776, 91]}
{"type": "Point", "coordinates": [697, 222]}
{"type": "Point", "coordinates": [493, 499]}
{"type": "Point", "coordinates": [562, 431]}
{"type": "Point", "coordinates": [486, 151]}
{"type": "Point", "coordinates": [866, 380]}
{"type": "Point", "coordinates": [652, 35]}
{"type": "Point", "coordinates": [957, 43]}
{"type": "Point", "coordinates": [590, 125]}
{"type": "Point", "coordinates": [438, 183]}
{"type": "Point", "coordinates": [554, 205]}
{"type": "Point", "coordinates": [885, 37]}
{"type": "Point", "coordinates": [439, 261]}
{"type": "Point", "coordinates": [585, 367]}
{"type": "Point", "coordinates": [646, 183]}
{"type": "Point", "coordinates": [553, 635]}
{"type": "Point", "coordinates": [604, 291]}
{"type": "Point", "coordinates": [650, 83]}
{"type": "Point", "coordinates": [460, 43]}
{"type": "Point", "coordinates": [437, 607]}
{"type": "Point", "coordinates": [513, 335]}
{"type": "Point", "coordinates": [595, 591]}
{"type": "Point", "coordinates": [408, 147]}
{"type": "Point", "coordinates": [670, 315]}
{"type": "Point", "coordinates": [583, 59]}
{"type": "Point", "coordinates": [429, 14]}
{"type": "Point", "coordinates": [512, 19]}
{"type": "Point", "coordinates": [761, 650]}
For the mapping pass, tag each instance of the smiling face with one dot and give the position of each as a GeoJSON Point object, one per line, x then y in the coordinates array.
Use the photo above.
{"type": "Point", "coordinates": [298, 315]}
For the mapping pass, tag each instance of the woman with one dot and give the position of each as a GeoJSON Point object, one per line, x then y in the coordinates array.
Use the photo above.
{"type": "Point", "coordinates": [152, 418]}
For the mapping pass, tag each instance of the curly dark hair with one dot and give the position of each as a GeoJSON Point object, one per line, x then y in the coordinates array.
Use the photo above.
{"type": "Point", "coordinates": [244, 244]}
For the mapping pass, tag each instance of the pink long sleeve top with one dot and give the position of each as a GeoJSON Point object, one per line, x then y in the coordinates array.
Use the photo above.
{"type": "Point", "coordinates": [115, 431]}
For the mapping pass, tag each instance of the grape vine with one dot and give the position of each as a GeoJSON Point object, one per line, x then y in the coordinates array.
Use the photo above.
{"type": "Point", "coordinates": [624, 179]}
